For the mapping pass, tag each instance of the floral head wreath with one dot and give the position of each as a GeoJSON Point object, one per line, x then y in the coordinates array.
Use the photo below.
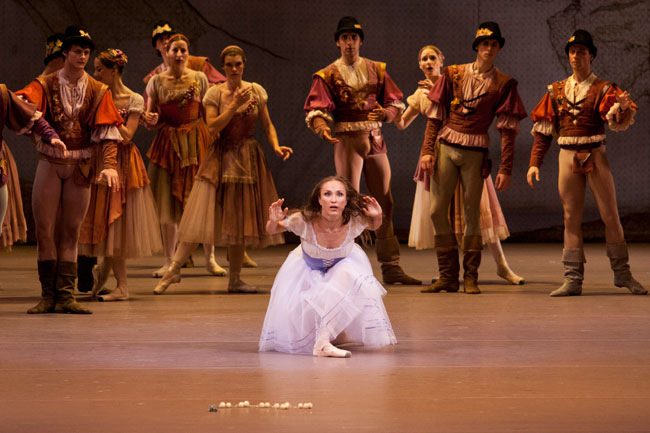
{"type": "Point", "coordinates": [115, 56]}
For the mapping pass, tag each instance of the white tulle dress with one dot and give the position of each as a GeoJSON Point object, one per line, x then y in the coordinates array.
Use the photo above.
{"type": "Point", "coordinates": [320, 287]}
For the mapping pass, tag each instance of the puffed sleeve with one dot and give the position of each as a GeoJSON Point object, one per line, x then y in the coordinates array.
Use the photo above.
{"type": "Point", "coordinates": [392, 95]}
{"type": "Point", "coordinates": [511, 108]}
{"type": "Point", "coordinates": [33, 92]}
{"type": "Point", "coordinates": [136, 104]}
{"type": "Point", "coordinates": [212, 97]}
{"type": "Point", "coordinates": [106, 113]}
{"type": "Point", "coordinates": [151, 91]}
{"type": "Point", "coordinates": [296, 224]}
{"type": "Point", "coordinates": [260, 94]}
{"type": "Point", "coordinates": [320, 101]}
{"type": "Point", "coordinates": [357, 226]}
{"type": "Point", "coordinates": [414, 102]}
{"type": "Point", "coordinates": [543, 116]}
{"type": "Point", "coordinates": [203, 84]}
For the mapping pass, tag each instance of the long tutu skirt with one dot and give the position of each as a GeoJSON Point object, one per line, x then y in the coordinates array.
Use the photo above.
{"type": "Point", "coordinates": [136, 233]}
{"type": "Point", "coordinates": [304, 301]}
{"type": "Point", "coordinates": [170, 209]}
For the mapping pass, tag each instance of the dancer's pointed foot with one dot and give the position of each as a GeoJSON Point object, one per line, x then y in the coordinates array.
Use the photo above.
{"type": "Point", "coordinates": [328, 350]}
{"type": "Point", "coordinates": [248, 262]}
{"type": "Point", "coordinates": [213, 267]}
{"type": "Point", "coordinates": [506, 273]}
{"type": "Point", "coordinates": [172, 276]}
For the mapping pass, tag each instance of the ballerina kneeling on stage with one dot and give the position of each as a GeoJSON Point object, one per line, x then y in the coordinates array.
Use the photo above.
{"type": "Point", "coordinates": [325, 291]}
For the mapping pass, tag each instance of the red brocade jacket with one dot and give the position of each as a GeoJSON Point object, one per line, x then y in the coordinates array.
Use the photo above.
{"type": "Point", "coordinates": [577, 123]}
{"type": "Point", "coordinates": [468, 105]}
{"type": "Point", "coordinates": [333, 99]}
{"type": "Point", "coordinates": [97, 110]}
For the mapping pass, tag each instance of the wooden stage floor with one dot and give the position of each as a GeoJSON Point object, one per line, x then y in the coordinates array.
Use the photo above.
{"type": "Point", "coordinates": [509, 360]}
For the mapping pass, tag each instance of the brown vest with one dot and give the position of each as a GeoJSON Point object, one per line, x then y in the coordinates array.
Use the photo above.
{"type": "Point", "coordinates": [588, 121]}
{"type": "Point", "coordinates": [75, 132]}
{"type": "Point", "coordinates": [353, 105]}
{"type": "Point", "coordinates": [480, 117]}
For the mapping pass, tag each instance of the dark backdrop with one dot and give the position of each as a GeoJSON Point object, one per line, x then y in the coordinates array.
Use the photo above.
{"type": "Point", "coordinates": [286, 41]}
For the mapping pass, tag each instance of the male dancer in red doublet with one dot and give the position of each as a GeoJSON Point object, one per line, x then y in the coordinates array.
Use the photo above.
{"type": "Point", "coordinates": [576, 110]}
{"type": "Point", "coordinates": [82, 112]}
{"type": "Point", "coordinates": [469, 96]}
{"type": "Point", "coordinates": [357, 95]}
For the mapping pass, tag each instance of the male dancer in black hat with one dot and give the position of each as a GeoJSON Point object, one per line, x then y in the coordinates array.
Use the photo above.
{"type": "Point", "coordinates": [81, 111]}
{"type": "Point", "coordinates": [469, 96]}
{"type": "Point", "coordinates": [357, 95]}
{"type": "Point", "coordinates": [576, 110]}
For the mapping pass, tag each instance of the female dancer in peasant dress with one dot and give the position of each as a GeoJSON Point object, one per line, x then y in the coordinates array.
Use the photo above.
{"type": "Point", "coordinates": [174, 106]}
{"type": "Point", "coordinates": [233, 190]}
{"type": "Point", "coordinates": [121, 224]}
{"type": "Point", "coordinates": [493, 224]}
{"type": "Point", "coordinates": [326, 290]}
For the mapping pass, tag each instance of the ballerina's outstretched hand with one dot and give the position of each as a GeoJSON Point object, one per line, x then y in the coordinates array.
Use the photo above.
{"type": "Point", "coordinates": [275, 224]}
{"type": "Point", "coordinates": [372, 211]}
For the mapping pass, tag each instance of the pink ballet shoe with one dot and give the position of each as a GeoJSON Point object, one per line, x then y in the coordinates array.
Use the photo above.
{"type": "Point", "coordinates": [213, 267]}
{"type": "Point", "coordinates": [172, 276]}
{"type": "Point", "coordinates": [506, 273]}
{"type": "Point", "coordinates": [328, 350]}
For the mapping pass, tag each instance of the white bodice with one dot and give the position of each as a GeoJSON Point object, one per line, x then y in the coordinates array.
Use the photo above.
{"type": "Point", "coordinates": [297, 224]}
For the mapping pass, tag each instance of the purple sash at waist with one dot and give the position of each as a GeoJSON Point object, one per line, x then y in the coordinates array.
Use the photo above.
{"type": "Point", "coordinates": [322, 265]}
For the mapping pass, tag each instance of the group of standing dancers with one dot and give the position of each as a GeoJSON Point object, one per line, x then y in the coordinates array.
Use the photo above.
{"type": "Point", "coordinates": [208, 181]}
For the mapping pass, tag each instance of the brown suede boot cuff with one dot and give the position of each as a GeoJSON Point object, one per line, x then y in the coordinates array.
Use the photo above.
{"type": "Point", "coordinates": [448, 240]}
{"type": "Point", "coordinates": [473, 243]}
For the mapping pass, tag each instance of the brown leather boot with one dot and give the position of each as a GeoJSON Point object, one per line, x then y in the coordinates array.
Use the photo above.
{"type": "Point", "coordinates": [618, 259]}
{"type": "Point", "coordinates": [448, 266]}
{"type": "Point", "coordinates": [388, 256]}
{"type": "Point", "coordinates": [47, 277]}
{"type": "Point", "coordinates": [573, 260]}
{"type": "Point", "coordinates": [472, 246]}
{"type": "Point", "coordinates": [66, 274]}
